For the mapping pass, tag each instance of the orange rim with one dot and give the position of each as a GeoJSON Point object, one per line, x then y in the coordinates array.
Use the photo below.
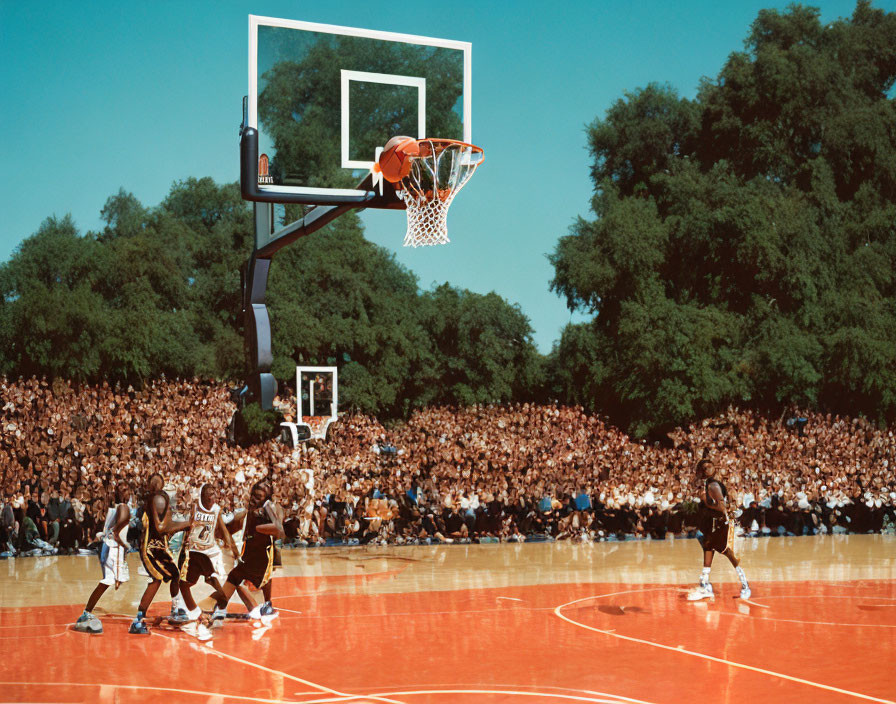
{"type": "Point", "coordinates": [444, 142]}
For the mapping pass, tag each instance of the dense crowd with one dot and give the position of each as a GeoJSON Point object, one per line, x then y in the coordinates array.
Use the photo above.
{"type": "Point", "coordinates": [488, 472]}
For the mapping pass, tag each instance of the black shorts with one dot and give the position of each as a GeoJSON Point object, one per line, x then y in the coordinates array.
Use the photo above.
{"type": "Point", "coordinates": [192, 565]}
{"type": "Point", "coordinates": [718, 534]}
{"type": "Point", "coordinates": [254, 568]}
{"type": "Point", "coordinates": [158, 561]}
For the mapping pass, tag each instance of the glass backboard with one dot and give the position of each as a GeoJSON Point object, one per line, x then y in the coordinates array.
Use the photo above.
{"type": "Point", "coordinates": [324, 97]}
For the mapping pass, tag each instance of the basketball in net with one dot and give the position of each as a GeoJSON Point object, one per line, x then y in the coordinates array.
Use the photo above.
{"type": "Point", "coordinates": [395, 161]}
{"type": "Point", "coordinates": [428, 174]}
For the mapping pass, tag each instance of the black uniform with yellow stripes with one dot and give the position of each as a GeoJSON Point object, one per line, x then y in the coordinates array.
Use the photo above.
{"type": "Point", "coordinates": [257, 557]}
{"type": "Point", "coordinates": [718, 532]}
{"type": "Point", "coordinates": [154, 552]}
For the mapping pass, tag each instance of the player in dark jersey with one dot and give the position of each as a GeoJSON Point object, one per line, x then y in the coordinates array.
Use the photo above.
{"type": "Point", "coordinates": [154, 552]}
{"type": "Point", "coordinates": [718, 531]}
{"type": "Point", "coordinates": [236, 524]}
{"type": "Point", "coordinates": [263, 526]}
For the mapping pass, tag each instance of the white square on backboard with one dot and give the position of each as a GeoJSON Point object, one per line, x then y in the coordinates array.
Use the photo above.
{"type": "Point", "coordinates": [389, 79]}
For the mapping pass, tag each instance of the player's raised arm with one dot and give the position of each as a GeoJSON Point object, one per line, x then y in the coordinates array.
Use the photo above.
{"type": "Point", "coordinates": [275, 527]}
{"type": "Point", "coordinates": [122, 518]}
{"type": "Point", "coordinates": [227, 537]}
{"type": "Point", "coordinates": [165, 525]}
{"type": "Point", "coordinates": [238, 522]}
{"type": "Point", "coordinates": [715, 499]}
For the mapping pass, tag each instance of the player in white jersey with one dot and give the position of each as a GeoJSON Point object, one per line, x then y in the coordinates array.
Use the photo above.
{"type": "Point", "coordinates": [201, 555]}
{"type": "Point", "coordinates": [113, 558]}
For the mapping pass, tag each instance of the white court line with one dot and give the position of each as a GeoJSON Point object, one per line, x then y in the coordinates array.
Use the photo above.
{"type": "Point", "coordinates": [509, 598]}
{"type": "Point", "coordinates": [851, 597]}
{"type": "Point", "coordinates": [38, 635]}
{"type": "Point", "coordinates": [551, 695]}
{"type": "Point", "coordinates": [390, 614]}
{"type": "Point", "coordinates": [818, 623]}
{"type": "Point", "coordinates": [703, 655]}
{"type": "Point", "coordinates": [341, 696]}
{"type": "Point", "coordinates": [473, 687]}
{"type": "Point", "coordinates": [156, 689]}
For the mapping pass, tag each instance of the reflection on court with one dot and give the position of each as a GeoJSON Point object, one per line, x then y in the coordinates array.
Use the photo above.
{"type": "Point", "coordinates": [548, 622]}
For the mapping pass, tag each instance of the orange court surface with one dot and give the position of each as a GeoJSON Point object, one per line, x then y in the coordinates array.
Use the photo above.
{"type": "Point", "coordinates": [542, 622]}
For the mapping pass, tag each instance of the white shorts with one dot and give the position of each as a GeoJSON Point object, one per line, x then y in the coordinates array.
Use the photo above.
{"type": "Point", "coordinates": [217, 559]}
{"type": "Point", "coordinates": [114, 561]}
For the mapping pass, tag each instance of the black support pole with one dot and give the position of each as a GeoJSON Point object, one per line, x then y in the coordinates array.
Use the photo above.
{"type": "Point", "coordinates": [260, 383]}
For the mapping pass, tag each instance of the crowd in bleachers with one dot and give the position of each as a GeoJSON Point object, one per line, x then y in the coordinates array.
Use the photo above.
{"type": "Point", "coordinates": [488, 472]}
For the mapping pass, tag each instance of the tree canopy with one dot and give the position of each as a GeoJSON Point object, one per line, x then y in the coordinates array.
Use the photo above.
{"type": "Point", "coordinates": [741, 249]}
{"type": "Point", "coordinates": [157, 291]}
{"type": "Point", "coordinates": [743, 245]}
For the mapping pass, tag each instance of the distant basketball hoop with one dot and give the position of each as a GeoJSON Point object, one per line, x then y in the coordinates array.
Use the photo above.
{"type": "Point", "coordinates": [317, 404]}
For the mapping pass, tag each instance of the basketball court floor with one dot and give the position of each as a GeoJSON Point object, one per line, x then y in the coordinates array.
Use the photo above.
{"type": "Point", "coordinates": [545, 622]}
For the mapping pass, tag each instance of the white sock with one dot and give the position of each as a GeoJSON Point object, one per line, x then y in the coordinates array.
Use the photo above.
{"type": "Point", "coordinates": [704, 576]}
{"type": "Point", "coordinates": [740, 573]}
{"type": "Point", "coordinates": [195, 613]}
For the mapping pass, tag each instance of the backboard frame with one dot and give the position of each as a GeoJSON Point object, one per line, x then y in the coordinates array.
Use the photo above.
{"type": "Point", "coordinates": [318, 430]}
{"type": "Point", "coordinates": [253, 191]}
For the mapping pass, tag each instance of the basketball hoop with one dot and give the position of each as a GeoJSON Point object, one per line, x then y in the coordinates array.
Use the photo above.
{"type": "Point", "coordinates": [317, 426]}
{"type": "Point", "coordinates": [438, 171]}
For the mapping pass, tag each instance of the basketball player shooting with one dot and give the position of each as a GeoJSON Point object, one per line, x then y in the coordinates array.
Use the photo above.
{"type": "Point", "coordinates": [718, 531]}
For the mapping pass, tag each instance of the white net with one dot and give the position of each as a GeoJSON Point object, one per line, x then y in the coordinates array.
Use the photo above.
{"type": "Point", "coordinates": [442, 168]}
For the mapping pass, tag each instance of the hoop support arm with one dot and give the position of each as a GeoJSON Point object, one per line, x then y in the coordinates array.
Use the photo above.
{"type": "Point", "coordinates": [315, 219]}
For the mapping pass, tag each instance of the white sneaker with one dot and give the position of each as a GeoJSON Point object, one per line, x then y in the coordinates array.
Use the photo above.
{"type": "Point", "coordinates": [190, 628]}
{"type": "Point", "coordinates": [197, 630]}
{"type": "Point", "coordinates": [704, 591]}
{"type": "Point", "coordinates": [255, 613]}
{"type": "Point", "coordinates": [745, 592]}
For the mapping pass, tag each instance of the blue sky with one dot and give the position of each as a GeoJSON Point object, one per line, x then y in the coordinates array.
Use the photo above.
{"type": "Point", "coordinates": [99, 96]}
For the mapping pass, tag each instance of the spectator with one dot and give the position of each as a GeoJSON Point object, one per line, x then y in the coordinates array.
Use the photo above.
{"type": "Point", "coordinates": [494, 471]}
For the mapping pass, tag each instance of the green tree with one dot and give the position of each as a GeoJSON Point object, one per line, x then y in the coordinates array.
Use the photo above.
{"type": "Point", "coordinates": [156, 291]}
{"type": "Point", "coordinates": [743, 246]}
{"type": "Point", "coordinates": [215, 226]}
{"type": "Point", "coordinates": [337, 299]}
{"type": "Point", "coordinates": [482, 348]}
{"type": "Point", "coordinates": [54, 322]}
